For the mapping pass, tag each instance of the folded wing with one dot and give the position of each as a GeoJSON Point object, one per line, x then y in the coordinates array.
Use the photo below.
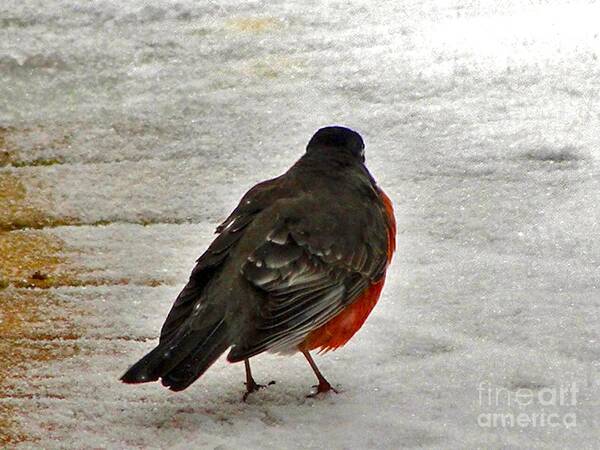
{"type": "Point", "coordinates": [308, 277]}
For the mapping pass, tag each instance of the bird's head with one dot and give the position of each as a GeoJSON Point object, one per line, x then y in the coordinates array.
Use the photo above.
{"type": "Point", "coordinates": [337, 139]}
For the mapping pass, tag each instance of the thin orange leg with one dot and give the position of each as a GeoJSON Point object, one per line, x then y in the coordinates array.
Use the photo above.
{"type": "Point", "coordinates": [324, 385]}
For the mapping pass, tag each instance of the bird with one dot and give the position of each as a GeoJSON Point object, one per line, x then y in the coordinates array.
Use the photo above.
{"type": "Point", "coordinates": [297, 266]}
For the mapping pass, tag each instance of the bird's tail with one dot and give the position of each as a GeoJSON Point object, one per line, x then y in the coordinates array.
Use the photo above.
{"type": "Point", "coordinates": [182, 359]}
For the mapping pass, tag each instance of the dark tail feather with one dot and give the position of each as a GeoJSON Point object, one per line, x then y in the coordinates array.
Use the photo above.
{"type": "Point", "coordinates": [180, 351]}
{"type": "Point", "coordinates": [203, 356]}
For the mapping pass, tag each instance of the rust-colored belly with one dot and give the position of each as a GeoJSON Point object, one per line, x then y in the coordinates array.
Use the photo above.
{"type": "Point", "coordinates": [342, 327]}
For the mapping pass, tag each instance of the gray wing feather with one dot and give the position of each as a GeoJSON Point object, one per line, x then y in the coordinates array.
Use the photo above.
{"type": "Point", "coordinates": [303, 291]}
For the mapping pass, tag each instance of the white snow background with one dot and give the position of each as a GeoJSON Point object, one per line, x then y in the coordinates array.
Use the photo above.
{"type": "Point", "coordinates": [481, 120]}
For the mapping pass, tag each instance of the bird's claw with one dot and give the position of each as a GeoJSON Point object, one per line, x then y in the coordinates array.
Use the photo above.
{"type": "Point", "coordinates": [253, 387]}
{"type": "Point", "coordinates": [322, 388]}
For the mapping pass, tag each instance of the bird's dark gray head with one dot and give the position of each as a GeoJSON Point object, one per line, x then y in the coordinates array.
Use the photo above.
{"type": "Point", "coordinates": [337, 138]}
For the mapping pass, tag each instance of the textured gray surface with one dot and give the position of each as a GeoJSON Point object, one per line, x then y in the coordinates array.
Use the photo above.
{"type": "Point", "coordinates": [481, 122]}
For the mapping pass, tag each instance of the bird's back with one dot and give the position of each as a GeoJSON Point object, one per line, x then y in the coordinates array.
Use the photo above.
{"type": "Point", "coordinates": [331, 223]}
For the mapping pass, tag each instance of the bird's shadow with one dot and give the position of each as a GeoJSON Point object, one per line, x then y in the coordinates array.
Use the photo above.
{"type": "Point", "coordinates": [207, 408]}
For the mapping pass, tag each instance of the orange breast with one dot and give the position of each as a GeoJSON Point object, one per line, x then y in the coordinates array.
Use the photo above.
{"type": "Point", "coordinates": [342, 327]}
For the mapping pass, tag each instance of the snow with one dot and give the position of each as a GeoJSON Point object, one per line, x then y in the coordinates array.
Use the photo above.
{"type": "Point", "coordinates": [480, 120]}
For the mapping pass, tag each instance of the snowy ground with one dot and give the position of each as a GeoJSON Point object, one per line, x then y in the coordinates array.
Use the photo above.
{"type": "Point", "coordinates": [134, 129]}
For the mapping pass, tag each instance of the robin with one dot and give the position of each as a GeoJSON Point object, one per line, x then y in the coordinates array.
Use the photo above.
{"type": "Point", "coordinates": [297, 266]}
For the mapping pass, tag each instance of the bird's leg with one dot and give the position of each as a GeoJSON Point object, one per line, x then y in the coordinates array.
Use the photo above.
{"type": "Point", "coordinates": [323, 385]}
{"type": "Point", "coordinates": [251, 385]}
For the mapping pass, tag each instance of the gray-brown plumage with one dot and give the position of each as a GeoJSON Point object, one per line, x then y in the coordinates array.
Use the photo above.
{"type": "Point", "coordinates": [293, 255]}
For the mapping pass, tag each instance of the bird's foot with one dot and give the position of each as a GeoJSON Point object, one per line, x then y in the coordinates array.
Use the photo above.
{"type": "Point", "coordinates": [322, 388]}
{"type": "Point", "coordinates": [253, 386]}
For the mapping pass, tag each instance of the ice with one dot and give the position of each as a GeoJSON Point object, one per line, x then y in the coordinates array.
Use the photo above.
{"type": "Point", "coordinates": [139, 126]}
